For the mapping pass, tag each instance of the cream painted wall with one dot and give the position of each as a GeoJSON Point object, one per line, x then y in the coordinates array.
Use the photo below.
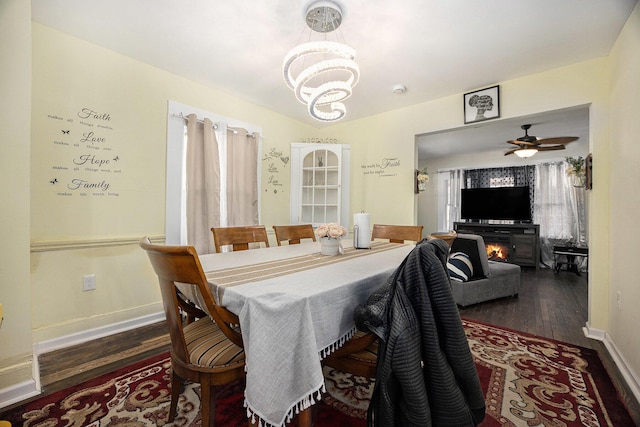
{"type": "Point", "coordinates": [69, 73]}
{"type": "Point", "coordinates": [15, 113]}
{"type": "Point", "coordinates": [625, 198]}
{"type": "Point", "coordinates": [134, 88]}
{"type": "Point", "coordinates": [389, 196]}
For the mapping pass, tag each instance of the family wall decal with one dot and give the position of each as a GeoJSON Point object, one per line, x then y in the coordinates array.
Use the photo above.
{"type": "Point", "coordinates": [85, 162]}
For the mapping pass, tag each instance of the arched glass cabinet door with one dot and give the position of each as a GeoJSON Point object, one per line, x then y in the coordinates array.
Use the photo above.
{"type": "Point", "coordinates": [319, 183]}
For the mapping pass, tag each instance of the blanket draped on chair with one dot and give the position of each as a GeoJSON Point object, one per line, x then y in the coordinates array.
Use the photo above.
{"type": "Point", "coordinates": [425, 375]}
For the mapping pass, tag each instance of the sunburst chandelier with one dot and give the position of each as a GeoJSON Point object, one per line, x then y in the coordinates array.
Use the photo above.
{"type": "Point", "coordinates": [322, 73]}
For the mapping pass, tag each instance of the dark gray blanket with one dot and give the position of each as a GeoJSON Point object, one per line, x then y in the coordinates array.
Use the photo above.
{"type": "Point", "coordinates": [425, 375]}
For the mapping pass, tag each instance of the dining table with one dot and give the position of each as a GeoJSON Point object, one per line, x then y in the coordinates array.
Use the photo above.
{"type": "Point", "coordinates": [295, 306]}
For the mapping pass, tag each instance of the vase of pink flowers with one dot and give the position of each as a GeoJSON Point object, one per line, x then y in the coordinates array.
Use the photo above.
{"type": "Point", "coordinates": [330, 237]}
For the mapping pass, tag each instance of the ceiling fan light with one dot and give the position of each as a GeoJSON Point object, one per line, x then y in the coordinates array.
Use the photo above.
{"type": "Point", "coordinates": [525, 153]}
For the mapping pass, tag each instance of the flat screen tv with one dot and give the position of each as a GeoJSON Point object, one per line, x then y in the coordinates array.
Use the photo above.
{"type": "Point", "coordinates": [499, 203]}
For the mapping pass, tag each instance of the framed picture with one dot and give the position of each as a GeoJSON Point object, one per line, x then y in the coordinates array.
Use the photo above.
{"type": "Point", "coordinates": [483, 104]}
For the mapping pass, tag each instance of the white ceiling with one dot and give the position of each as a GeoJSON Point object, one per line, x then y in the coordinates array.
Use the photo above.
{"type": "Point", "coordinates": [436, 48]}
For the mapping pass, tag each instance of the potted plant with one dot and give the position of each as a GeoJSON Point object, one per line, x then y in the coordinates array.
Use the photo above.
{"type": "Point", "coordinates": [422, 177]}
{"type": "Point", "coordinates": [330, 236]}
{"type": "Point", "coordinates": [576, 170]}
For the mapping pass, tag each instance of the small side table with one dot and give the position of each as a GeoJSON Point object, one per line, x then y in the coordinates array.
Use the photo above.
{"type": "Point", "coordinates": [566, 255]}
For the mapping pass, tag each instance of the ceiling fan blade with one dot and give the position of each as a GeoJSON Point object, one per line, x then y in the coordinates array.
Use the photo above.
{"type": "Point", "coordinates": [558, 140]}
{"type": "Point", "coordinates": [530, 143]}
{"type": "Point", "coordinates": [551, 148]}
{"type": "Point", "coordinates": [520, 143]}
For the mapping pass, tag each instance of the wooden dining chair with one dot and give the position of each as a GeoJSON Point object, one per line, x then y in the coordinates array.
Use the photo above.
{"type": "Point", "coordinates": [239, 237]}
{"type": "Point", "coordinates": [397, 233]}
{"type": "Point", "coordinates": [447, 236]}
{"type": "Point", "coordinates": [293, 233]}
{"type": "Point", "coordinates": [358, 356]}
{"type": "Point", "coordinates": [189, 310]}
{"type": "Point", "coordinates": [208, 350]}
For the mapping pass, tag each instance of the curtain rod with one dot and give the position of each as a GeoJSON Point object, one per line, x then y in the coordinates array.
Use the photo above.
{"type": "Point", "coordinates": [215, 125]}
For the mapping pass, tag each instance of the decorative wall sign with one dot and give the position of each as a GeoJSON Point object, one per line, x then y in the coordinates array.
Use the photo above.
{"type": "Point", "coordinates": [387, 166]}
{"type": "Point", "coordinates": [483, 104]}
{"type": "Point", "coordinates": [273, 160]}
{"type": "Point", "coordinates": [313, 140]}
{"type": "Point", "coordinates": [84, 162]}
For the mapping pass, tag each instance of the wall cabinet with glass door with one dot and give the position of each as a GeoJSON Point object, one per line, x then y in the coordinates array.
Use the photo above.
{"type": "Point", "coordinates": [319, 183]}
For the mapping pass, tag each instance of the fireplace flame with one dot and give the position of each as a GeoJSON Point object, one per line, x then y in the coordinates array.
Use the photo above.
{"type": "Point", "coordinates": [496, 252]}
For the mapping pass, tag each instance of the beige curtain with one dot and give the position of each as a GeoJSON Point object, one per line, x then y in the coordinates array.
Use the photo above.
{"type": "Point", "coordinates": [242, 177]}
{"type": "Point", "coordinates": [203, 184]}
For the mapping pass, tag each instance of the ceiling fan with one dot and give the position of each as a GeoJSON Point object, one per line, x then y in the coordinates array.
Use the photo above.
{"type": "Point", "coordinates": [528, 145]}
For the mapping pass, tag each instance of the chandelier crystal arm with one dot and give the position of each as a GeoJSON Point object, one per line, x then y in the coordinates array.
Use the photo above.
{"type": "Point", "coordinates": [318, 85]}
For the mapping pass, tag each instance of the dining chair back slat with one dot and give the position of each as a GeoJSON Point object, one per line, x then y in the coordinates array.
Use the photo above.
{"type": "Point", "coordinates": [447, 236]}
{"type": "Point", "coordinates": [293, 233]}
{"type": "Point", "coordinates": [239, 237]}
{"type": "Point", "coordinates": [397, 233]}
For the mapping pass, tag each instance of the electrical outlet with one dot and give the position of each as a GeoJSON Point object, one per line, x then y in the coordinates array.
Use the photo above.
{"type": "Point", "coordinates": [619, 299]}
{"type": "Point", "coordinates": [89, 282]}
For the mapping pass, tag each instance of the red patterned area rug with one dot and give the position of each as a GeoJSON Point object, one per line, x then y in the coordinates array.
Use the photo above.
{"type": "Point", "coordinates": [527, 381]}
{"type": "Point", "coordinates": [139, 395]}
{"type": "Point", "coordinates": [535, 381]}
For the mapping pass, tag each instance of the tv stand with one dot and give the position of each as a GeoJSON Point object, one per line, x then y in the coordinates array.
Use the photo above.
{"type": "Point", "coordinates": [523, 239]}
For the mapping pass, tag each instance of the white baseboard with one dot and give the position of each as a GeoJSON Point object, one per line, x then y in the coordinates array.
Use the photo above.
{"type": "Point", "coordinates": [627, 373]}
{"type": "Point", "coordinates": [25, 390]}
{"type": "Point", "coordinates": [17, 393]}
{"type": "Point", "coordinates": [596, 334]}
{"type": "Point", "coordinates": [631, 379]}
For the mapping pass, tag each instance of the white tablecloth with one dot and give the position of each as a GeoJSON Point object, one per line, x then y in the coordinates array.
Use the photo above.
{"type": "Point", "coordinates": [290, 320]}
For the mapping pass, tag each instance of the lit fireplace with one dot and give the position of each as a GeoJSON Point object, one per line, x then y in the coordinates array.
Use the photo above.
{"type": "Point", "coordinates": [497, 251]}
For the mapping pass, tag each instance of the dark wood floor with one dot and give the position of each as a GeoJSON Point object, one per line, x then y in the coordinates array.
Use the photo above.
{"type": "Point", "coordinates": [72, 365]}
{"type": "Point", "coordinates": [549, 305]}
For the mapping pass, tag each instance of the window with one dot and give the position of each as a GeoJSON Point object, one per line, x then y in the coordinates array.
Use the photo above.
{"type": "Point", "coordinates": [176, 200]}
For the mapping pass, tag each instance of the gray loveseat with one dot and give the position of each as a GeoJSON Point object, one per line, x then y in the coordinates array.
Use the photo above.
{"type": "Point", "coordinates": [490, 279]}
